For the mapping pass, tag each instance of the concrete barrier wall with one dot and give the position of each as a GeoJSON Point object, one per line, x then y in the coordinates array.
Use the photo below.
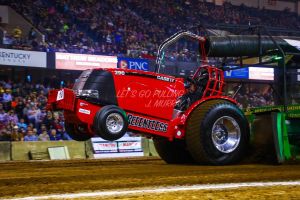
{"type": "Point", "coordinates": [20, 150]}
{"type": "Point", "coordinates": [5, 151]}
{"type": "Point", "coordinates": [77, 150]}
{"type": "Point", "coordinates": [148, 147]}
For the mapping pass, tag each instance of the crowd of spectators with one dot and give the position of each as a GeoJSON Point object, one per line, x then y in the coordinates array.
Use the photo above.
{"type": "Point", "coordinates": [115, 27]}
{"type": "Point", "coordinates": [174, 15]}
{"type": "Point", "coordinates": [252, 96]}
{"type": "Point", "coordinates": [23, 116]}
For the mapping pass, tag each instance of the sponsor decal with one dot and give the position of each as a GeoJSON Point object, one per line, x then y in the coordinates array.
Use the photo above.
{"type": "Point", "coordinates": [84, 111]}
{"type": "Point", "coordinates": [145, 123]}
{"type": "Point", "coordinates": [60, 95]}
{"type": "Point", "coordinates": [130, 63]}
{"type": "Point", "coordinates": [272, 108]}
{"type": "Point", "coordinates": [123, 64]}
{"type": "Point", "coordinates": [22, 58]}
{"type": "Point", "coordinates": [130, 146]}
{"type": "Point", "coordinates": [83, 104]}
{"type": "Point", "coordinates": [105, 147]}
{"type": "Point", "coordinates": [119, 73]}
{"type": "Point", "coordinates": [164, 78]}
{"type": "Point", "coordinates": [123, 147]}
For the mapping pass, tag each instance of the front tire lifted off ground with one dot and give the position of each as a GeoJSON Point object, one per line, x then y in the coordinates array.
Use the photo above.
{"type": "Point", "coordinates": [217, 133]}
{"type": "Point", "coordinates": [110, 122]}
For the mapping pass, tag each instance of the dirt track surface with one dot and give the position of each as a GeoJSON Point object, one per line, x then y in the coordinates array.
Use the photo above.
{"type": "Point", "coordinates": [18, 179]}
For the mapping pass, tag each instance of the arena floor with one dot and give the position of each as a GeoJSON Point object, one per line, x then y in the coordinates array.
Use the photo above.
{"type": "Point", "coordinates": [146, 178]}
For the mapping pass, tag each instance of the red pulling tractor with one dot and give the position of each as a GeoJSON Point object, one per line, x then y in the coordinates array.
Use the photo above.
{"type": "Point", "coordinates": [189, 119]}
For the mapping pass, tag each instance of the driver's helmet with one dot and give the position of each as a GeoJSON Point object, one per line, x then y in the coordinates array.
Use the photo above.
{"type": "Point", "coordinates": [188, 82]}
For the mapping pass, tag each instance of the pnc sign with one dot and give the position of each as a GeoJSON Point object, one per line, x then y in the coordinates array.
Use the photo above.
{"type": "Point", "coordinates": [130, 63]}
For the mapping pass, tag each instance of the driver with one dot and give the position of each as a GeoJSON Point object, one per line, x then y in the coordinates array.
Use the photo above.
{"type": "Point", "coordinates": [190, 96]}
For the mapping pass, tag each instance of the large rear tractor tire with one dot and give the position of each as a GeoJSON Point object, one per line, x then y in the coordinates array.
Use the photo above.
{"type": "Point", "coordinates": [74, 132]}
{"type": "Point", "coordinates": [217, 133]}
{"type": "Point", "coordinates": [172, 152]}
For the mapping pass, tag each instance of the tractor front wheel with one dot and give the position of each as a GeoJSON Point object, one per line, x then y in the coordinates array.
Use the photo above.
{"type": "Point", "coordinates": [110, 122]}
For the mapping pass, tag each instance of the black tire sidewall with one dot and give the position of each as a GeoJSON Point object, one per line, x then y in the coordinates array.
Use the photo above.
{"type": "Point", "coordinates": [212, 153]}
{"type": "Point", "coordinates": [172, 152]}
{"type": "Point", "coordinates": [100, 122]}
{"type": "Point", "coordinates": [76, 134]}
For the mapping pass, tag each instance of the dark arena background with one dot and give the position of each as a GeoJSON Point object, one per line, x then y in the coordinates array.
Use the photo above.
{"type": "Point", "coordinates": [139, 99]}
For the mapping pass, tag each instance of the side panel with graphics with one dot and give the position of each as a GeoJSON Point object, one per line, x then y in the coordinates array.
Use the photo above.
{"type": "Point", "coordinates": [145, 124]}
{"type": "Point", "coordinates": [149, 94]}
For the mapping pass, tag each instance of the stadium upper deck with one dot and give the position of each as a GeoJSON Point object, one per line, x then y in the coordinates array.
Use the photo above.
{"type": "Point", "coordinates": [126, 27]}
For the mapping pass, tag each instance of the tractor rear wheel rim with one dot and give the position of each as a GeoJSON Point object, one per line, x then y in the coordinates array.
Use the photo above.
{"type": "Point", "coordinates": [226, 134]}
{"type": "Point", "coordinates": [114, 123]}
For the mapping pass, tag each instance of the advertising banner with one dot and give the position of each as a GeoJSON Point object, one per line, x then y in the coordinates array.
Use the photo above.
{"type": "Point", "coordinates": [261, 73]}
{"type": "Point", "coordinates": [131, 63]}
{"type": "Point", "coordinates": [73, 61]}
{"type": "Point", "coordinates": [129, 146]}
{"type": "Point", "coordinates": [105, 147]}
{"type": "Point", "coordinates": [242, 73]}
{"type": "Point", "coordinates": [23, 58]}
{"type": "Point", "coordinates": [123, 147]}
{"type": "Point", "coordinates": [253, 73]}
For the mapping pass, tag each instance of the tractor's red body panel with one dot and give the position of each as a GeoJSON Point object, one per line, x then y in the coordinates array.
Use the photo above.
{"type": "Point", "coordinates": [147, 98]}
{"type": "Point", "coordinates": [147, 93]}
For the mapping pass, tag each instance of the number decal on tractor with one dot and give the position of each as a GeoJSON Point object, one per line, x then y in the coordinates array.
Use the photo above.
{"type": "Point", "coordinates": [119, 73]}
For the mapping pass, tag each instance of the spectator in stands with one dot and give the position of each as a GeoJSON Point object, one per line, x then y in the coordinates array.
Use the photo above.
{"type": "Point", "coordinates": [32, 114]}
{"type": "Point", "coordinates": [48, 120]}
{"type": "Point", "coordinates": [7, 40]}
{"type": "Point", "coordinates": [19, 108]}
{"type": "Point", "coordinates": [40, 116]}
{"type": "Point", "coordinates": [28, 113]}
{"type": "Point", "coordinates": [3, 117]}
{"type": "Point", "coordinates": [42, 98]}
{"type": "Point", "coordinates": [17, 33]}
{"type": "Point", "coordinates": [64, 134]}
{"type": "Point", "coordinates": [30, 136]}
{"type": "Point", "coordinates": [16, 134]}
{"type": "Point", "coordinates": [23, 132]}
{"type": "Point", "coordinates": [54, 136]}
{"type": "Point", "coordinates": [130, 27]}
{"type": "Point", "coordinates": [12, 117]}
{"type": "Point", "coordinates": [44, 136]}
{"type": "Point", "coordinates": [4, 135]}
{"type": "Point", "coordinates": [21, 124]}
{"type": "Point", "coordinates": [42, 129]}
{"type": "Point", "coordinates": [32, 34]}
{"type": "Point", "coordinates": [35, 131]}
{"type": "Point", "coordinates": [7, 99]}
